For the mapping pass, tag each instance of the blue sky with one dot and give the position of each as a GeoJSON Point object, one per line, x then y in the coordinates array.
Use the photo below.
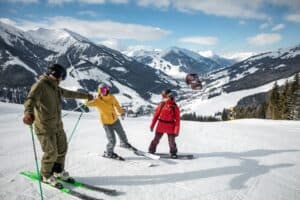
{"type": "Point", "coordinates": [222, 26]}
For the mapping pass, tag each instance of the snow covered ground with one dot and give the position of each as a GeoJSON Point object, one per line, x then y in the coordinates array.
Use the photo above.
{"type": "Point", "coordinates": [243, 159]}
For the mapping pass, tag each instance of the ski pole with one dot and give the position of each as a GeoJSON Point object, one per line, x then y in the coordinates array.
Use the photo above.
{"type": "Point", "coordinates": [73, 131]}
{"type": "Point", "coordinates": [36, 163]}
{"type": "Point", "coordinates": [78, 107]}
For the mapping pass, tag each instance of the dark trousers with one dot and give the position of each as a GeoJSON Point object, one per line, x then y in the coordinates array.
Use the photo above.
{"type": "Point", "coordinates": [155, 141]}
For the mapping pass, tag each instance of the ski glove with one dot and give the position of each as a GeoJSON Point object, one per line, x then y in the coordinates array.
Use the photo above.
{"type": "Point", "coordinates": [28, 119]}
{"type": "Point", "coordinates": [123, 116]}
{"type": "Point", "coordinates": [90, 97]}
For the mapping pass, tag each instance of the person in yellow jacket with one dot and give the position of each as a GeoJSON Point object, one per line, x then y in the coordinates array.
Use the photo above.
{"type": "Point", "coordinates": [108, 107]}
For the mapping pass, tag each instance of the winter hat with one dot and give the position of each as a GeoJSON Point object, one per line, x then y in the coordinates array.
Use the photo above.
{"type": "Point", "coordinates": [57, 71]}
{"type": "Point", "coordinates": [167, 93]}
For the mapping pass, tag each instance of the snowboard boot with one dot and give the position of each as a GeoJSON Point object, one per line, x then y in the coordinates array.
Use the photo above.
{"type": "Point", "coordinates": [174, 155]}
{"type": "Point", "coordinates": [52, 181]}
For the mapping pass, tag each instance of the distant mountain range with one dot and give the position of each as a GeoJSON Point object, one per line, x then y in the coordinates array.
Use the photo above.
{"type": "Point", "coordinates": [177, 62]}
{"type": "Point", "coordinates": [25, 55]}
{"type": "Point", "coordinates": [225, 87]}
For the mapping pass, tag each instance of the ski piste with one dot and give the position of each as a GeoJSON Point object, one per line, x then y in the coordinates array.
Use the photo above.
{"type": "Point", "coordinates": [143, 153]}
{"type": "Point", "coordinates": [34, 177]}
{"type": "Point", "coordinates": [179, 156]}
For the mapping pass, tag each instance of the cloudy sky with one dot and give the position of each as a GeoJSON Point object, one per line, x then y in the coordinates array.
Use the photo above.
{"type": "Point", "coordinates": [223, 26]}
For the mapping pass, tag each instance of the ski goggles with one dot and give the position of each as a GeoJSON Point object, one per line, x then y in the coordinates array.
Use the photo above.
{"type": "Point", "coordinates": [104, 90]}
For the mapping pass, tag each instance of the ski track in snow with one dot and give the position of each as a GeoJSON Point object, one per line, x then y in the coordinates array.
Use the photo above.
{"type": "Point", "coordinates": [235, 160]}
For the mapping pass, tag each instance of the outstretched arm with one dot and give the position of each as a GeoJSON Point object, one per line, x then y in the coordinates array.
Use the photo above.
{"type": "Point", "coordinates": [76, 95]}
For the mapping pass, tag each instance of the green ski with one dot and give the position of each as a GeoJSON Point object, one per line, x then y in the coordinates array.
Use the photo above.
{"type": "Point", "coordinates": [33, 176]}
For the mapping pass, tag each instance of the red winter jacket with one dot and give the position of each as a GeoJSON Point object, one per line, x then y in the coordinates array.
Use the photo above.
{"type": "Point", "coordinates": [167, 114]}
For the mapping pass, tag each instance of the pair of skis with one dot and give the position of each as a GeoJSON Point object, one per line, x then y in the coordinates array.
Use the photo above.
{"type": "Point", "coordinates": [75, 183]}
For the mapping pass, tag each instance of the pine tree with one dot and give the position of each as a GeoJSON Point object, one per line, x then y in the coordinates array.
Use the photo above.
{"type": "Point", "coordinates": [224, 115]}
{"type": "Point", "coordinates": [294, 102]}
{"type": "Point", "coordinates": [284, 100]}
{"type": "Point", "coordinates": [273, 106]}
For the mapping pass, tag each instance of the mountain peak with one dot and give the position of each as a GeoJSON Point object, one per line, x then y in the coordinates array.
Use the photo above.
{"type": "Point", "coordinates": [58, 40]}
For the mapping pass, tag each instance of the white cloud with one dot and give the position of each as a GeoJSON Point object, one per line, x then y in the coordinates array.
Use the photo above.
{"type": "Point", "coordinates": [264, 25]}
{"type": "Point", "coordinates": [113, 44]}
{"type": "Point", "coordinates": [238, 56]}
{"type": "Point", "coordinates": [60, 2]}
{"type": "Point", "coordinates": [207, 54]}
{"type": "Point", "coordinates": [119, 1]}
{"type": "Point", "coordinates": [278, 27]}
{"type": "Point", "coordinates": [96, 30]}
{"type": "Point", "coordinates": [155, 3]}
{"type": "Point", "coordinates": [293, 18]}
{"type": "Point", "coordinates": [92, 1]}
{"type": "Point", "coordinates": [88, 12]}
{"type": "Point", "coordinates": [227, 8]}
{"type": "Point", "coordinates": [198, 40]}
{"type": "Point", "coordinates": [264, 39]}
{"type": "Point", "coordinates": [242, 22]}
{"type": "Point", "coordinates": [21, 1]}
{"type": "Point", "coordinates": [8, 21]}
{"type": "Point", "coordinates": [291, 4]}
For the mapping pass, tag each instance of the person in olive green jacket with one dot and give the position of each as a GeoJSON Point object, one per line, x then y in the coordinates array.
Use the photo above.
{"type": "Point", "coordinates": [43, 107]}
{"type": "Point", "coordinates": [108, 107]}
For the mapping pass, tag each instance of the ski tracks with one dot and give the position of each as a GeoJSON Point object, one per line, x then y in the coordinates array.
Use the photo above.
{"type": "Point", "coordinates": [241, 194]}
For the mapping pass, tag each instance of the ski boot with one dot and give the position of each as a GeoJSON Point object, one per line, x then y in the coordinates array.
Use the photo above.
{"type": "Point", "coordinates": [64, 176]}
{"type": "Point", "coordinates": [52, 181]}
{"type": "Point", "coordinates": [112, 156]}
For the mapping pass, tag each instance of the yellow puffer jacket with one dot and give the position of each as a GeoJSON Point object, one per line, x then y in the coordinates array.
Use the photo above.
{"type": "Point", "coordinates": [107, 106]}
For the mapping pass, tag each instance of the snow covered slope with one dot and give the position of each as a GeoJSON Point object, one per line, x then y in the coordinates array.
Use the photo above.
{"type": "Point", "coordinates": [243, 159]}
{"type": "Point", "coordinates": [256, 70]}
{"type": "Point", "coordinates": [176, 62]}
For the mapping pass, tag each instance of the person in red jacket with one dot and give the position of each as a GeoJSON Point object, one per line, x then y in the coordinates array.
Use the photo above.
{"type": "Point", "coordinates": [167, 117]}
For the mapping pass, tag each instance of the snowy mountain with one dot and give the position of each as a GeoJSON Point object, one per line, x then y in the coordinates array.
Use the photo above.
{"type": "Point", "coordinates": [222, 61]}
{"type": "Point", "coordinates": [242, 159]}
{"type": "Point", "coordinates": [176, 62]}
{"type": "Point", "coordinates": [257, 74]}
{"type": "Point", "coordinates": [25, 55]}
{"type": "Point", "coordinates": [257, 70]}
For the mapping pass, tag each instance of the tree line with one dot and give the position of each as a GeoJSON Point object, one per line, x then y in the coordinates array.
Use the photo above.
{"type": "Point", "coordinates": [282, 103]}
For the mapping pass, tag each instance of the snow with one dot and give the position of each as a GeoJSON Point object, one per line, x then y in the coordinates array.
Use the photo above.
{"type": "Point", "coordinates": [8, 33]}
{"type": "Point", "coordinates": [242, 159]}
{"type": "Point", "coordinates": [245, 73]}
{"type": "Point", "coordinates": [209, 107]}
{"type": "Point", "coordinates": [13, 60]}
{"type": "Point", "coordinates": [56, 40]}
{"type": "Point", "coordinates": [280, 66]}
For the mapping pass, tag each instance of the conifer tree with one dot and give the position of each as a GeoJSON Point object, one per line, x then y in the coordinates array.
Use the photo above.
{"type": "Point", "coordinates": [273, 105]}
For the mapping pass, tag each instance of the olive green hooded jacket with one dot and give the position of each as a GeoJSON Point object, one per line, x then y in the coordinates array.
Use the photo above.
{"type": "Point", "coordinates": [44, 103]}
